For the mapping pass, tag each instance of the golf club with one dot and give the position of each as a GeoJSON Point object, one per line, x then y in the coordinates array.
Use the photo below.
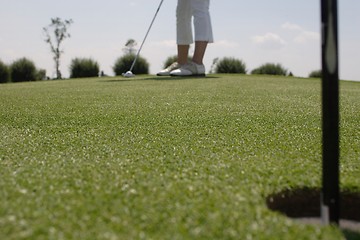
{"type": "Point", "coordinates": [129, 73]}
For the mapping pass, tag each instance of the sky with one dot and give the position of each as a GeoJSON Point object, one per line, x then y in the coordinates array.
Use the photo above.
{"type": "Point", "coordinates": [254, 31]}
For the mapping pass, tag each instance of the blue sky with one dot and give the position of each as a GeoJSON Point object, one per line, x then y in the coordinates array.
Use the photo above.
{"type": "Point", "coordinates": [255, 31]}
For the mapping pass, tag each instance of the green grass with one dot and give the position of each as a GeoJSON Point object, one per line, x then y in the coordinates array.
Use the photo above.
{"type": "Point", "coordinates": [146, 158]}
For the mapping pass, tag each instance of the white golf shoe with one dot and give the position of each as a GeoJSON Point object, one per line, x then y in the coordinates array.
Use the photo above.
{"type": "Point", "coordinates": [166, 71]}
{"type": "Point", "coordinates": [188, 70]}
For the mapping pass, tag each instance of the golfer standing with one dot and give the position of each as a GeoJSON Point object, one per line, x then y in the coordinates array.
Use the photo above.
{"type": "Point", "coordinates": [186, 11]}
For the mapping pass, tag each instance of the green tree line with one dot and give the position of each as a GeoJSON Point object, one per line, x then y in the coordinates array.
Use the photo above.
{"type": "Point", "coordinates": [58, 30]}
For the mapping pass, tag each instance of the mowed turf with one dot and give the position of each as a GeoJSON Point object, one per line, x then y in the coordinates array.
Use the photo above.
{"type": "Point", "coordinates": [165, 158]}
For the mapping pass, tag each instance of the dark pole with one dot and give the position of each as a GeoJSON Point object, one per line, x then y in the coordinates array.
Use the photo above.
{"type": "Point", "coordinates": [330, 113]}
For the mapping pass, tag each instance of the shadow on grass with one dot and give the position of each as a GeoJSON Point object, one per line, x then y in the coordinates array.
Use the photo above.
{"type": "Point", "coordinates": [303, 204]}
{"type": "Point", "coordinates": [156, 78]}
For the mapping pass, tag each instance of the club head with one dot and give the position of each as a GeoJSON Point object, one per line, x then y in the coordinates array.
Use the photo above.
{"type": "Point", "coordinates": [128, 74]}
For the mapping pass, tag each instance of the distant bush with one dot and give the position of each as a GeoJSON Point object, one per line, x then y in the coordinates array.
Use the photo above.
{"type": "Point", "coordinates": [124, 63]}
{"type": "Point", "coordinates": [4, 73]}
{"type": "Point", "coordinates": [41, 74]}
{"type": "Point", "coordinates": [229, 65]}
{"type": "Point", "coordinates": [23, 70]}
{"type": "Point", "coordinates": [270, 69]}
{"type": "Point", "coordinates": [316, 74]}
{"type": "Point", "coordinates": [84, 67]}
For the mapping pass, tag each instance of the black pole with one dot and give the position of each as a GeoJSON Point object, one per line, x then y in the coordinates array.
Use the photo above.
{"type": "Point", "coordinates": [330, 113]}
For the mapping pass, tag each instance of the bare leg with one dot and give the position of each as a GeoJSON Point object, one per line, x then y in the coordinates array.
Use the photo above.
{"type": "Point", "coordinates": [183, 52]}
{"type": "Point", "coordinates": [200, 48]}
{"type": "Point", "coordinates": [196, 69]}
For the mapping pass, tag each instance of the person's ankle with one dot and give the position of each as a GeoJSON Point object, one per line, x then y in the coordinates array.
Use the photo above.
{"type": "Point", "coordinates": [197, 62]}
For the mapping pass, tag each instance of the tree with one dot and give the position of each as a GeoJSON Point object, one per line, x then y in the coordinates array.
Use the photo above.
{"type": "Point", "coordinates": [270, 69]}
{"type": "Point", "coordinates": [4, 73]}
{"type": "Point", "coordinates": [123, 63]}
{"type": "Point", "coordinates": [129, 48]}
{"type": "Point", "coordinates": [84, 67]}
{"type": "Point", "coordinates": [55, 38]}
{"type": "Point", "coordinates": [229, 65]}
{"type": "Point", "coordinates": [315, 74]}
{"type": "Point", "coordinates": [23, 70]}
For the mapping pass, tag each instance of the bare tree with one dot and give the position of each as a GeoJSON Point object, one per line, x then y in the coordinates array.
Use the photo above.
{"type": "Point", "coordinates": [55, 34]}
{"type": "Point", "coordinates": [130, 47]}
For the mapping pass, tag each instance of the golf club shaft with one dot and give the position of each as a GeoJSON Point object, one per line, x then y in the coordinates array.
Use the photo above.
{"type": "Point", "coordinates": [147, 33]}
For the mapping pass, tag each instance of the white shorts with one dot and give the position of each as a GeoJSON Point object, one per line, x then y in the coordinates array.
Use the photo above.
{"type": "Point", "coordinates": [199, 9]}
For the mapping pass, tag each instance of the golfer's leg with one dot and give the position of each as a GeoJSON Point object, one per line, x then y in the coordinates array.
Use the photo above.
{"type": "Point", "coordinates": [199, 53]}
{"type": "Point", "coordinates": [183, 29]}
{"type": "Point", "coordinates": [183, 53]}
{"type": "Point", "coordinates": [203, 28]}
{"type": "Point", "coordinates": [202, 20]}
